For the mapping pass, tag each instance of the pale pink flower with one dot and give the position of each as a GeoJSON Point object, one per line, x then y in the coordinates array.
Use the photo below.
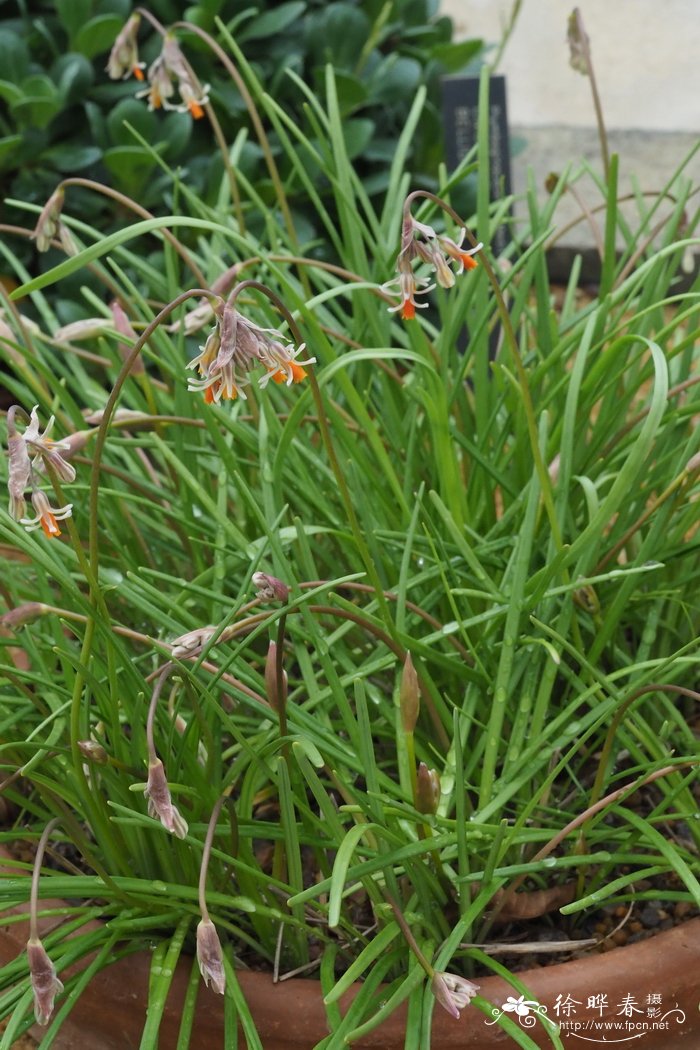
{"type": "Point", "coordinates": [46, 451]}
{"type": "Point", "coordinates": [47, 517]}
{"type": "Point", "coordinates": [453, 992]}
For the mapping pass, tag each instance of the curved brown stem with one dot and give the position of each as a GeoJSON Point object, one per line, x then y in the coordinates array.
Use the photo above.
{"type": "Point", "coordinates": [134, 206]}
{"type": "Point", "coordinates": [232, 71]}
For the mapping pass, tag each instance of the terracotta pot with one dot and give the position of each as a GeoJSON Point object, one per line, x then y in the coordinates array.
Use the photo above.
{"type": "Point", "coordinates": [658, 979]}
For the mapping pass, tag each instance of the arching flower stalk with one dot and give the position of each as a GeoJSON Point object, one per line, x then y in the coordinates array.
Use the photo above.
{"type": "Point", "coordinates": [209, 954]}
{"type": "Point", "coordinates": [45, 984]}
{"type": "Point", "coordinates": [157, 791]}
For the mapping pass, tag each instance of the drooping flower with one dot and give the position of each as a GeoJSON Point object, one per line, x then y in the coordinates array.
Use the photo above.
{"type": "Point", "coordinates": [409, 286]}
{"type": "Point", "coordinates": [281, 364]}
{"type": "Point", "coordinates": [45, 984]}
{"type": "Point", "coordinates": [46, 451]}
{"type": "Point", "coordinates": [20, 469]}
{"type": "Point", "coordinates": [453, 992]}
{"type": "Point", "coordinates": [49, 221]}
{"type": "Point", "coordinates": [160, 86]}
{"type": "Point", "coordinates": [47, 517]}
{"type": "Point", "coordinates": [160, 803]}
{"type": "Point", "coordinates": [124, 56]}
{"type": "Point", "coordinates": [210, 957]}
{"type": "Point", "coordinates": [193, 94]}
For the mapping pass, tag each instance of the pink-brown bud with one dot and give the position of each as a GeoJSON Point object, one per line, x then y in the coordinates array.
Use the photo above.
{"type": "Point", "coordinates": [269, 588]}
{"type": "Point", "coordinates": [93, 751]}
{"type": "Point", "coordinates": [124, 327]}
{"type": "Point", "coordinates": [210, 957]}
{"type": "Point", "coordinates": [160, 803]}
{"type": "Point", "coordinates": [45, 984]}
{"type": "Point", "coordinates": [427, 790]}
{"type": "Point", "coordinates": [453, 992]}
{"type": "Point", "coordinates": [22, 614]}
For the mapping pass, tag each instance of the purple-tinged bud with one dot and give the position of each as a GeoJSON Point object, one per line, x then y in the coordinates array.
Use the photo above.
{"type": "Point", "coordinates": [269, 588]}
{"type": "Point", "coordinates": [453, 992]}
{"type": "Point", "coordinates": [124, 327]}
{"type": "Point", "coordinates": [45, 984]}
{"type": "Point", "coordinates": [210, 957]}
{"type": "Point", "coordinates": [160, 803]}
{"type": "Point", "coordinates": [22, 614]}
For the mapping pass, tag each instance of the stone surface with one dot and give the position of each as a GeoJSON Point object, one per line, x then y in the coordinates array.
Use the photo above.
{"type": "Point", "coordinates": [645, 55]}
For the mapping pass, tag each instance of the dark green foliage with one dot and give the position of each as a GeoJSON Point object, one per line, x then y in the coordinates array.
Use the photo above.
{"type": "Point", "coordinates": [61, 115]}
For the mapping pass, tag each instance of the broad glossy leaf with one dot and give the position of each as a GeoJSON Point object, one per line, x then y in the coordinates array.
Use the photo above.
{"type": "Point", "coordinates": [97, 35]}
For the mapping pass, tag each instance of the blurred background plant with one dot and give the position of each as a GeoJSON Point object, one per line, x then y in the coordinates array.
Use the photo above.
{"type": "Point", "coordinates": [62, 115]}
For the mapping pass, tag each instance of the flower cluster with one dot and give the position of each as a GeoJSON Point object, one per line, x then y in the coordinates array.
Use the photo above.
{"type": "Point", "coordinates": [234, 346]}
{"type": "Point", "coordinates": [420, 241]}
{"type": "Point", "coordinates": [170, 66]}
{"type": "Point", "coordinates": [30, 454]}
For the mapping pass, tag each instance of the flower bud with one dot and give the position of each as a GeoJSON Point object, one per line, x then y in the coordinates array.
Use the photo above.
{"type": "Point", "coordinates": [210, 957]}
{"type": "Point", "coordinates": [453, 992]}
{"type": "Point", "coordinates": [160, 803]}
{"type": "Point", "coordinates": [269, 588]}
{"type": "Point", "coordinates": [45, 984]}
{"type": "Point", "coordinates": [409, 696]}
{"type": "Point", "coordinates": [22, 614]}
{"type": "Point", "coordinates": [427, 789]}
{"type": "Point", "coordinates": [192, 642]}
{"type": "Point", "coordinates": [48, 222]}
{"type": "Point", "coordinates": [124, 327]}
{"type": "Point", "coordinates": [578, 43]}
{"type": "Point", "coordinates": [93, 751]}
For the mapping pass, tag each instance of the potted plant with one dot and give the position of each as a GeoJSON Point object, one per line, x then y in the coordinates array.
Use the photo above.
{"type": "Point", "coordinates": [397, 638]}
